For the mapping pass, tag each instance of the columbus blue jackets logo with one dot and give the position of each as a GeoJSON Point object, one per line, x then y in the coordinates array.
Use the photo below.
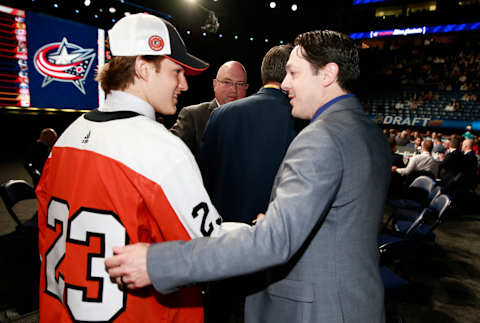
{"type": "Point", "coordinates": [64, 62]}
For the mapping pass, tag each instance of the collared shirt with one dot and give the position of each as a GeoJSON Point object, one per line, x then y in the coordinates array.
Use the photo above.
{"type": "Point", "coordinates": [123, 101]}
{"type": "Point", "coordinates": [329, 103]}
{"type": "Point", "coordinates": [424, 161]}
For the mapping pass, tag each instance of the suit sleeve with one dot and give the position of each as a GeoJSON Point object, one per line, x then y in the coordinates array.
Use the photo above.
{"type": "Point", "coordinates": [306, 186]}
{"type": "Point", "coordinates": [184, 129]}
{"type": "Point", "coordinates": [207, 155]}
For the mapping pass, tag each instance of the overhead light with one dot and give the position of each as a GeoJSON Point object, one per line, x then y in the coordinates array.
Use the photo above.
{"type": "Point", "coordinates": [204, 34]}
{"type": "Point", "coordinates": [77, 11]}
{"type": "Point", "coordinates": [87, 3]}
{"type": "Point", "coordinates": [294, 7]}
{"type": "Point", "coordinates": [220, 35]}
{"type": "Point", "coordinates": [55, 5]}
{"type": "Point", "coordinates": [251, 38]}
{"type": "Point", "coordinates": [236, 37]}
{"type": "Point", "coordinates": [266, 40]}
{"type": "Point", "coordinates": [188, 32]}
{"type": "Point", "coordinates": [112, 10]}
{"type": "Point", "coordinates": [273, 4]}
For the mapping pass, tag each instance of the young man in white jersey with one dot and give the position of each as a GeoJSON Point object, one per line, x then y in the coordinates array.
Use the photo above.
{"type": "Point", "coordinates": [115, 177]}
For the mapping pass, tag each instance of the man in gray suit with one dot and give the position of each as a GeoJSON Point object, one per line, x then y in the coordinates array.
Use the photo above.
{"type": "Point", "coordinates": [320, 230]}
{"type": "Point", "coordinates": [229, 85]}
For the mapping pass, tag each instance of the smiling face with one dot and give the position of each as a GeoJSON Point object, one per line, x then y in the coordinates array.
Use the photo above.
{"type": "Point", "coordinates": [303, 85]}
{"type": "Point", "coordinates": [163, 86]}
{"type": "Point", "coordinates": [231, 83]}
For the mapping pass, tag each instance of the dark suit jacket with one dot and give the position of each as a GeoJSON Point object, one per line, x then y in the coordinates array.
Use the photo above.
{"type": "Point", "coordinates": [191, 123]}
{"type": "Point", "coordinates": [243, 145]}
{"type": "Point", "coordinates": [451, 166]}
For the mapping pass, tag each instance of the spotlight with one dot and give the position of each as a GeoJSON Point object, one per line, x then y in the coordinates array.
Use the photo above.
{"type": "Point", "coordinates": [204, 34]}
{"type": "Point", "coordinates": [266, 40]}
{"type": "Point", "coordinates": [77, 11]}
{"type": "Point", "coordinates": [87, 3]}
{"type": "Point", "coordinates": [96, 16]}
{"type": "Point", "coordinates": [55, 5]}
{"type": "Point", "coordinates": [112, 10]}
{"type": "Point", "coordinates": [251, 38]}
{"type": "Point", "coordinates": [273, 4]}
{"type": "Point", "coordinates": [188, 32]}
{"type": "Point", "coordinates": [281, 42]}
{"type": "Point", "coordinates": [220, 35]}
{"type": "Point", "coordinates": [236, 37]}
{"type": "Point", "coordinates": [127, 13]}
{"type": "Point", "coordinates": [294, 7]}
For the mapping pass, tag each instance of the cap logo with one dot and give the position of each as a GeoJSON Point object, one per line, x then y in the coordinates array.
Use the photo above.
{"type": "Point", "coordinates": [156, 43]}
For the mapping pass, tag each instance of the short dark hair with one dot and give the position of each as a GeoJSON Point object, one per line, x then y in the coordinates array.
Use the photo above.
{"type": "Point", "coordinates": [119, 73]}
{"type": "Point", "coordinates": [428, 145]}
{"type": "Point", "coordinates": [392, 142]}
{"type": "Point", "coordinates": [321, 47]}
{"type": "Point", "coordinates": [273, 64]}
{"type": "Point", "coordinates": [454, 142]}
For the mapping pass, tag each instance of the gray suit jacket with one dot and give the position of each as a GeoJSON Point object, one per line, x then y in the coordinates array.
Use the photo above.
{"type": "Point", "coordinates": [320, 230]}
{"type": "Point", "coordinates": [191, 123]}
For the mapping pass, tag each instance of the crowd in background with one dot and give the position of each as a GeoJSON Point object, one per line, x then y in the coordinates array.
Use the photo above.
{"type": "Point", "coordinates": [453, 160]}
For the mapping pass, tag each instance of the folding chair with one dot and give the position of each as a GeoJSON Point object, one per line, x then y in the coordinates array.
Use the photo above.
{"type": "Point", "coordinates": [419, 228]}
{"type": "Point", "coordinates": [418, 193]}
{"type": "Point", "coordinates": [13, 192]}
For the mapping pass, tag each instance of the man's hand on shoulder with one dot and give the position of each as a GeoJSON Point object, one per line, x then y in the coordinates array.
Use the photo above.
{"type": "Point", "coordinates": [128, 266]}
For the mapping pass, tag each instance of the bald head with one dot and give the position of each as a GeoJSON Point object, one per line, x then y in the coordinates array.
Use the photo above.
{"type": "Point", "coordinates": [48, 136]}
{"type": "Point", "coordinates": [467, 145]}
{"type": "Point", "coordinates": [230, 83]}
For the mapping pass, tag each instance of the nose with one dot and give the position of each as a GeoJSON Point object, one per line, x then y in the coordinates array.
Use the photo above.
{"type": "Point", "coordinates": [183, 85]}
{"type": "Point", "coordinates": [286, 83]}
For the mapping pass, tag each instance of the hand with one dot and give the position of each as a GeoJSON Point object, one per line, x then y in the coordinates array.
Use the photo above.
{"type": "Point", "coordinates": [128, 266]}
{"type": "Point", "coordinates": [394, 168]}
{"type": "Point", "coordinates": [259, 217]}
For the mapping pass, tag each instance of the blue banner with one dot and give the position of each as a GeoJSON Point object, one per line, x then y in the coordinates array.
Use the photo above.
{"type": "Point", "coordinates": [63, 56]}
{"type": "Point", "coordinates": [388, 120]}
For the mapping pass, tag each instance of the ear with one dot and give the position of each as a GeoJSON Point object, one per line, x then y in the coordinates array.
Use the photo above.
{"type": "Point", "coordinates": [142, 68]}
{"type": "Point", "coordinates": [214, 83]}
{"type": "Point", "coordinates": [330, 73]}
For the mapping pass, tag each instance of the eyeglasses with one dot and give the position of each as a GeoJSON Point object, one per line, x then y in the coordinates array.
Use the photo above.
{"type": "Point", "coordinates": [228, 83]}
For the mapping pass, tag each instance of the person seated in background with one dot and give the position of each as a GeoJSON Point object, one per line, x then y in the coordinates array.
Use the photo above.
{"type": "Point", "coordinates": [402, 139]}
{"type": "Point", "coordinates": [438, 151]}
{"type": "Point", "coordinates": [450, 107]}
{"type": "Point", "coordinates": [453, 162]}
{"type": "Point", "coordinates": [470, 164]}
{"type": "Point", "coordinates": [417, 144]}
{"type": "Point", "coordinates": [395, 189]}
{"type": "Point", "coordinates": [422, 163]}
{"type": "Point", "coordinates": [40, 149]}
{"type": "Point", "coordinates": [38, 153]}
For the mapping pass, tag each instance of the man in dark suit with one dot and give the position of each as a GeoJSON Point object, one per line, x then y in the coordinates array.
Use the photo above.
{"type": "Point", "coordinates": [470, 164]}
{"type": "Point", "coordinates": [229, 85]}
{"type": "Point", "coordinates": [243, 145]}
{"type": "Point", "coordinates": [452, 165]}
{"type": "Point", "coordinates": [396, 188]}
